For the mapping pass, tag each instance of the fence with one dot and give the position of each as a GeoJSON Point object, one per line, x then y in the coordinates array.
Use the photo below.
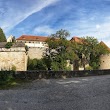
{"type": "Point", "coordinates": [59, 74]}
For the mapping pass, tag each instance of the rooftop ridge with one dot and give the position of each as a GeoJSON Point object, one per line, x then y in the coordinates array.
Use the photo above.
{"type": "Point", "coordinates": [32, 37]}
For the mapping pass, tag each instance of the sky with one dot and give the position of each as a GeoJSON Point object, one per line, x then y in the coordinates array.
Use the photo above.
{"type": "Point", "coordinates": [44, 17]}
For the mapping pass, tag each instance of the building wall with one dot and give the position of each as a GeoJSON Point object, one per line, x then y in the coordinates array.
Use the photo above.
{"type": "Point", "coordinates": [36, 53]}
{"type": "Point", "coordinates": [10, 39]}
{"type": "Point", "coordinates": [17, 59]}
{"type": "Point", "coordinates": [33, 43]}
{"type": "Point", "coordinates": [39, 44]}
{"type": "Point", "coordinates": [105, 62]}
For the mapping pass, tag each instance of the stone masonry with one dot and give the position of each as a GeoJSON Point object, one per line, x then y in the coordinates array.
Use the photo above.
{"type": "Point", "coordinates": [105, 61]}
{"type": "Point", "coordinates": [36, 53]}
{"type": "Point", "coordinates": [16, 57]}
{"type": "Point", "coordinates": [10, 59]}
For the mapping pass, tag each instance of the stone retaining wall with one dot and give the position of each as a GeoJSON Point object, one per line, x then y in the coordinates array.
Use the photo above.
{"type": "Point", "coordinates": [10, 59]}
{"type": "Point", "coordinates": [59, 74]}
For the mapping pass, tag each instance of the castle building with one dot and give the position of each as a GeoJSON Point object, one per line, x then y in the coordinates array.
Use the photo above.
{"type": "Point", "coordinates": [33, 41]}
{"type": "Point", "coordinates": [104, 59]}
{"type": "Point", "coordinates": [36, 45]}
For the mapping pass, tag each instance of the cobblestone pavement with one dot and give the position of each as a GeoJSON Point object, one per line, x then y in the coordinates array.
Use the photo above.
{"type": "Point", "coordinates": [85, 93]}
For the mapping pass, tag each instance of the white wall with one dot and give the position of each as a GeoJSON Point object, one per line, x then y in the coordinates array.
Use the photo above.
{"type": "Point", "coordinates": [35, 44]}
{"type": "Point", "coordinates": [10, 39]}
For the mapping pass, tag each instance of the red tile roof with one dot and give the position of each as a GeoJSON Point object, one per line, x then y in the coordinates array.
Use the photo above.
{"type": "Point", "coordinates": [77, 40]}
{"type": "Point", "coordinates": [103, 44]}
{"type": "Point", "coordinates": [32, 38]}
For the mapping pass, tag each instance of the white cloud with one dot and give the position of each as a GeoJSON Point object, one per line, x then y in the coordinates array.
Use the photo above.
{"type": "Point", "coordinates": [101, 32]}
{"type": "Point", "coordinates": [83, 28]}
{"type": "Point", "coordinates": [97, 26]}
{"type": "Point", "coordinates": [107, 42]}
{"type": "Point", "coordinates": [44, 30]}
{"type": "Point", "coordinates": [14, 13]}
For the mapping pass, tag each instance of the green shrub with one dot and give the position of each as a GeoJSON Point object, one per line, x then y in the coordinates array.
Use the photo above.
{"type": "Point", "coordinates": [89, 68]}
{"type": "Point", "coordinates": [26, 48]}
{"type": "Point", "coordinates": [13, 68]}
{"type": "Point", "coordinates": [8, 45]}
{"type": "Point", "coordinates": [36, 64]}
{"type": "Point", "coordinates": [86, 73]}
{"type": "Point", "coordinates": [5, 77]}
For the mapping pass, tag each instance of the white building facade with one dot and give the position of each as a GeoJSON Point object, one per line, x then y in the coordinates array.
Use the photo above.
{"type": "Point", "coordinates": [33, 41]}
{"type": "Point", "coordinates": [36, 45]}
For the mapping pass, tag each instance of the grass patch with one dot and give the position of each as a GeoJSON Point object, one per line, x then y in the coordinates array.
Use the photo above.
{"type": "Point", "coordinates": [12, 84]}
{"type": "Point", "coordinates": [8, 81]}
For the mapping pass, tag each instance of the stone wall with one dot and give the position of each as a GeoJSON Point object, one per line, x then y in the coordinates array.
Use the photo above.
{"type": "Point", "coordinates": [29, 75]}
{"type": "Point", "coordinates": [105, 61]}
{"type": "Point", "coordinates": [17, 59]}
{"type": "Point", "coordinates": [36, 52]}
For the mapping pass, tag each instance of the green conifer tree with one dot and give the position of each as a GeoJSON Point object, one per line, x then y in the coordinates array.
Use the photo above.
{"type": "Point", "coordinates": [2, 36]}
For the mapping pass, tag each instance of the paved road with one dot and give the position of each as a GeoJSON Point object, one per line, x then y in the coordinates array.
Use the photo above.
{"type": "Point", "coordinates": [86, 93]}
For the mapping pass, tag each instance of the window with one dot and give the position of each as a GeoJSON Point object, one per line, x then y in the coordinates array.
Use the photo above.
{"type": "Point", "coordinates": [37, 42]}
{"type": "Point", "coordinates": [44, 42]}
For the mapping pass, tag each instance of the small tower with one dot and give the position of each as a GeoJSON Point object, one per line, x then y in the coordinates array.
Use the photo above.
{"type": "Point", "coordinates": [10, 38]}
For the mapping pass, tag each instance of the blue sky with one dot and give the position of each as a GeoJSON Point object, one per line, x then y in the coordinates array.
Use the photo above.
{"type": "Point", "coordinates": [44, 17]}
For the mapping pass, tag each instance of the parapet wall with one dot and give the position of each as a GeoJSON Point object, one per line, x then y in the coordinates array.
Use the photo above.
{"type": "Point", "coordinates": [17, 49]}
{"type": "Point", "coordinates": [59, 74]}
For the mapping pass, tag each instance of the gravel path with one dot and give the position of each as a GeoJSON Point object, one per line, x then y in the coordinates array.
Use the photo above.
{"type": "Point", "coordinates": [85, 93]}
